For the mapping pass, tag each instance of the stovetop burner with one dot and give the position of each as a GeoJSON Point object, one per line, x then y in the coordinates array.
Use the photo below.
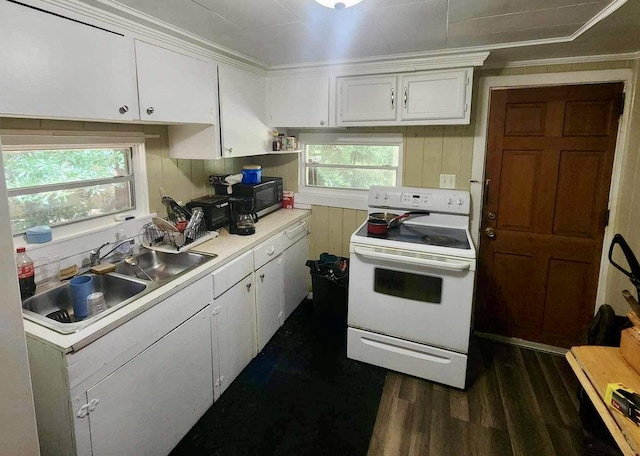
{"type": "Point", "coordinates": [423, 234]}
{"type": "Point", "coordinates": [440, 241]}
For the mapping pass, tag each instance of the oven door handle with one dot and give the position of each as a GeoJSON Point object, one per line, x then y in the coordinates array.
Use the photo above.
{"type": "Point", "coordinates": [454, 265]}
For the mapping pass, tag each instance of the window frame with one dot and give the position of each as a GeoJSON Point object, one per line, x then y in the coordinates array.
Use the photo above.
{"type": "Point", "coordinates": [341, 197]}
{"type": "Point", "coordinates": [137, 162]}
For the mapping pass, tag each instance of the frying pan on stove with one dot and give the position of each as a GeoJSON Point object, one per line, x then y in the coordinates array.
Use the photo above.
{"type": "Point", "coordinates": [634, 267]}
{"type": "Point", "coordinates": [381, 222]}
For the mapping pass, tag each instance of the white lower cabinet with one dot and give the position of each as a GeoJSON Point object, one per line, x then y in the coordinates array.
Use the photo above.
{"type": "Point", "coordinates": [233, 321]}
{"type": "Point", "coordinates": [296, 275]}
{"type": "Point", "coordinates": [150, 403]}
{"type": "Point", "coordinates": [136, 390]}
{"type": "Point", "coordinates": [269, 300]}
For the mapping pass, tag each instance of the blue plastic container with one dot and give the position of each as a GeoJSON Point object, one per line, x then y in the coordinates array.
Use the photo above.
{"type": "Point", "coordinates": [251, 174]}
{"type": "Point", "coordinates": [38, 234]}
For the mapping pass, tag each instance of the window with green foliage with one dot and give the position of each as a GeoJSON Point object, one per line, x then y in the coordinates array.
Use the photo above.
{"type": "Point", "coordinates": [60, 186]}
{"type": "Point", "coordinates": [351, 162]}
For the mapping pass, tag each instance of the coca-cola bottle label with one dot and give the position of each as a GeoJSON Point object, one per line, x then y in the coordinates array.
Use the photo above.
{"type": "Point", "coordinates": [24, 272]}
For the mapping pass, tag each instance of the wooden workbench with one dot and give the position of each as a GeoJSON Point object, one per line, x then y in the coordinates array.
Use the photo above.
{"type": "Point", "coordinates": [595, 367]}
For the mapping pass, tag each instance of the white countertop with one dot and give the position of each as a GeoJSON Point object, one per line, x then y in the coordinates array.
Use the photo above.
{"type": "Point", "coordinates": [225, 245]}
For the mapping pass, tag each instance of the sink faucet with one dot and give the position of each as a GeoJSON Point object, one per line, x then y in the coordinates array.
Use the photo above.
{"type": "Point", "coordinates": [94, 255]}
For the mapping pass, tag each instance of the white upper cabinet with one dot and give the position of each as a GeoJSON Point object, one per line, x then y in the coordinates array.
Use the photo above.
{"type": "Point", "coordinates": [174, 87]}
{"type": "Point", "coordinates": [298, 102]}
{"type": "Point", "coordinates": [438, 95]}
{"type": "Point", "coordinates": [365, 99]}
{"type": "Point", "coordinates": [242, 113]}
{"type": "Point", "coordinates": [56, 67]}
{"type": "Point", "coordinates": [425, 98]}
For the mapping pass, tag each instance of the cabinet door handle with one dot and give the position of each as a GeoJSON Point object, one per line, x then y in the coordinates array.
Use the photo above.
{"type": "Point", "coordinates": [262, 277]}
{"type": "Point", "coordinates": [322, 122]}
{"type": "Point", "coordinates": [124, 109]}
{"type": "Point", "coordinates": [405, 97]}
{"type": "Point", "coordinates": [271, 251]}
{"type": "Point", "coordinates": [249, 286]}
{"type": "Point", "coordinates": [393, 98]}
{"type": "Point", "coordinates": [150, 110]}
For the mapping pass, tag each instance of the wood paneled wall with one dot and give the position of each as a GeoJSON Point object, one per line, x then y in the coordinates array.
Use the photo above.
{"type": "Point", "coordinates": [184, 179]}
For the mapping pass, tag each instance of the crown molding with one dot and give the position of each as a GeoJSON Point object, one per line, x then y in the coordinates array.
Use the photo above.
{"type": "Point", "coordinates": [386, 64]}
{"type": "Point", "coordinates": [170, 35]}
{"type": "Point", "coordinates": [606, 11]}
{"type": "Point", "coordinates": [564, 60]}
{"type": "Point", "coordinates": [140, 25]}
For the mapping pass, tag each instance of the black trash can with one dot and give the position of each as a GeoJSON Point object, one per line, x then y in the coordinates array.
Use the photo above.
{"type": "Point", "coordinates": [330, 284]}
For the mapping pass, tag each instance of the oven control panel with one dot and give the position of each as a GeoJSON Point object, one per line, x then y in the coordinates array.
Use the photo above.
{"type": "Point", "coordinates": [429, 199]}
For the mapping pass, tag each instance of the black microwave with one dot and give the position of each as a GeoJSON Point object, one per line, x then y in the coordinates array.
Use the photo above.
{"type": "Point", "coordinates": [266, 196]}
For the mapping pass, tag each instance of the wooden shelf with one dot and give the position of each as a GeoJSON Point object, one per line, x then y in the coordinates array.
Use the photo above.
{"type": "Point", "coordinates": [596, 366]}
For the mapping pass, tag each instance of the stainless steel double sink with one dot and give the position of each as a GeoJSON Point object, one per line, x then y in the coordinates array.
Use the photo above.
{"type": "Point", "coordinates": [53, 309]}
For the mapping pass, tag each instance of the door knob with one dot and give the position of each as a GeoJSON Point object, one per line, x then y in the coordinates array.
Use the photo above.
{"type": "Point", "coordinates": [491, 215]}
{"type": "Point", "coordinates": [150, 110]}
{"type": "Point", "coordinates": [123, 109]}
{"type": "Point", "coordinates": [490, 232]}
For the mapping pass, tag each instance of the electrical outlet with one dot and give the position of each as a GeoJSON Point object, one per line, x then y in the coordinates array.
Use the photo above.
{"type": "Point", "coordinates": [447, 181]}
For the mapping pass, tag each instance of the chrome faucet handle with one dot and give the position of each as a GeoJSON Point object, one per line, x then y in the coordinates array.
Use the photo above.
{"type": "Point", "coordinates": [94, 255]}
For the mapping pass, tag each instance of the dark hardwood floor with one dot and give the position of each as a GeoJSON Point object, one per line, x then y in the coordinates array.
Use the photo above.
{"type": "Point", "coordinates": [518, 402]}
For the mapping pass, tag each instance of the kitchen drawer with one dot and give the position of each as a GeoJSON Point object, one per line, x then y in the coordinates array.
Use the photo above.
{"type": "Point", "coordinates": [423, 361]}
{"type": "Point", "coordinates": [268, 250]}
{"type": "Point", "coordinates": [232, 273]}
{"type": "Point", "coordinates": [296, 232]}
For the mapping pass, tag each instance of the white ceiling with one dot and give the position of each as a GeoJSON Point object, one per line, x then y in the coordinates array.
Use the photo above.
{"type": "Point", "coordinates": [292, 32]}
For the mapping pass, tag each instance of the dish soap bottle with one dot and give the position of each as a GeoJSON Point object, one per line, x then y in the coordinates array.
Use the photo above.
{"type": "Point", "coordinates": [26, 273]}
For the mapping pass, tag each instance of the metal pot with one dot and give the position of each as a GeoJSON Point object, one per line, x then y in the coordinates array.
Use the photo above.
{"type": "Point", "coordinates": [381, 222]}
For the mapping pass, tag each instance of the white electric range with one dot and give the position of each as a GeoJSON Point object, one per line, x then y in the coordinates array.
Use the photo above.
{"type": "Point", "coordinates": [411, 290]}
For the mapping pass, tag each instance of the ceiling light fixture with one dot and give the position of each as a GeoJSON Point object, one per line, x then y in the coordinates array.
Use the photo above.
{"type": "Point", "coordinates": [337, 4]}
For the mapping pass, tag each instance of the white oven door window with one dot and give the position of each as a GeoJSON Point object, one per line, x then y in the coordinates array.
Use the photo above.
{"type": "Point", "coordinates": [407, 285]}
{"type": "Point", "coordinates": [429, 303]}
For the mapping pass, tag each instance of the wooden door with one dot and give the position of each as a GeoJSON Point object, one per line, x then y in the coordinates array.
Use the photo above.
{"type": "Point", "coordinates": [548, 169]}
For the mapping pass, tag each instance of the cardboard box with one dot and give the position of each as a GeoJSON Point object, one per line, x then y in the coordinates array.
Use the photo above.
{"type": "Point", "coordinates": [630, 347]}
{"type": "Point", "coordinates": [287, 200]}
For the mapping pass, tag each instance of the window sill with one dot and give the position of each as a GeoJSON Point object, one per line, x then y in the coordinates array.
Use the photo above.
{"type": "Point", "coordinates": [304, 200]}
{"type": "Point", "coordinates": [75, 231]}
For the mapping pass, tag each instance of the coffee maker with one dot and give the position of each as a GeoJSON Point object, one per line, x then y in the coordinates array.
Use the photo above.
{"type": "Point", "coordinates": [242, 218]}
